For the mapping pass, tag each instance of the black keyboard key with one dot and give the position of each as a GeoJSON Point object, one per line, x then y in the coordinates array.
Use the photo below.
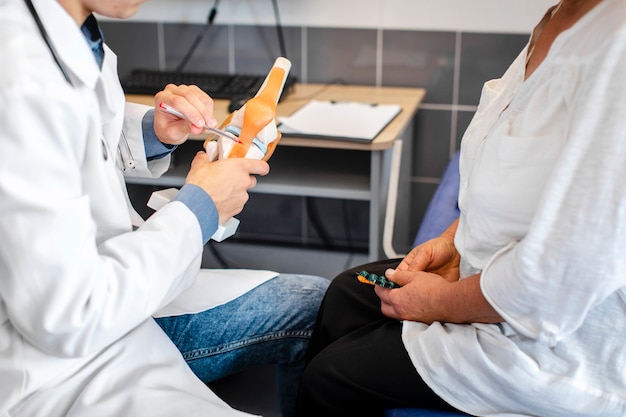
{"type": "Point", "coordinates": [219, 86]}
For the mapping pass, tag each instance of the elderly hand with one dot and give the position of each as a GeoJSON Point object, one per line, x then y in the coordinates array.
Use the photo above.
{"type": "Point", "coordinates": [423, 274]}
{"type": "Point", "coordinates": [192, 102]}
{"type": "Point", "coordinates": [428, 297]}
{"type": "Point", "coordinates": [431, 289]}
{"type": "Point", "coordinates": [438, 255]}
{"type": "Point", "coordinates": [418, 298]}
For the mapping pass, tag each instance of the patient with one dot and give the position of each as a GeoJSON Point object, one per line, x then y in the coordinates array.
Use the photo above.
{"type": "Point", "coordinates": [519, 306]}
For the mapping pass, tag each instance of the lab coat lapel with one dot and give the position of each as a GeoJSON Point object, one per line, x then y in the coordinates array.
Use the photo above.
{"type": "Point", "coordinates": [63, 30]}
{"type": "Point", "coordinates": [109, 90]}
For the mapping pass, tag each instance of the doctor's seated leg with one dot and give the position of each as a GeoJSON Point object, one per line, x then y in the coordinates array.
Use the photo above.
{"type": "Point", "coordinates": [269, 325]}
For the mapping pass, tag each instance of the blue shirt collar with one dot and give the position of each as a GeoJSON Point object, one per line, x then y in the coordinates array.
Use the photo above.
{"type": "Point", "coordinates": [95, 39]}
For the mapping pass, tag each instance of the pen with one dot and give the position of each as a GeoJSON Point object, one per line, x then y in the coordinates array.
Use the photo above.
{"type": "Point", "coordinates": [171, 110]}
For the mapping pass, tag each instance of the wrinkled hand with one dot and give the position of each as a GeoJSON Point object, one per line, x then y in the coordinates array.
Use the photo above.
{"type": "Point", "coordinates": [437, 255]}
{"type": "Point", "coordinates": [431, 289]}
{"type": "Point", "coordinates": [191, 101]}
{"type": "Point", "coordinates": [227, 181]}
{"type": "Point", "coordinates": [417, 299]}
{"type": "Point", "coordinates": [428, 297]}
{"type": "Point", "coordinates": [426, 271]}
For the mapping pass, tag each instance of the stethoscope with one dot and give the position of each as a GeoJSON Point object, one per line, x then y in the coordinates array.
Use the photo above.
{"type": "Point", "coordinates": [33, 12]}
{"type": "Point", "coordinates": [46, 39]}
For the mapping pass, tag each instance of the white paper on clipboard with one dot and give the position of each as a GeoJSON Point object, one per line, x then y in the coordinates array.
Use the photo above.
{"type": "Point", "coordinates": [339, 120]}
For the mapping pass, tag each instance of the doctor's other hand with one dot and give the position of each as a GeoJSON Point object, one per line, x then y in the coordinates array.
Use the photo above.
{"type": "Point", "coordinates": [227, 181]}
{"type": "Point", "coordinates": [195, 105]}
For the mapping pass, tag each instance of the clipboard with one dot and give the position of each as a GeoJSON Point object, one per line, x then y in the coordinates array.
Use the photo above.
{"type": "Point", "coordinates": [339, 120]}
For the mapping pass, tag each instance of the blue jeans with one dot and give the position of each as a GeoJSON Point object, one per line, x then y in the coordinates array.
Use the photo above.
{"type": "Point", "coordinates": [269, 325]}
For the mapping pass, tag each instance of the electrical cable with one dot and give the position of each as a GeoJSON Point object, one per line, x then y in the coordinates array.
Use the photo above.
{"type": "Point", "coordinates": [317, 224]}
{"type": "Point", "coordinates": [196, 42]}
{"type": "Point", "coordinates": [346, 228]}
{"type": "Point", "coordinates": [279, 30]}
{"type": "Point", "coordinates": [346, 224]}
{"type": "Point", "coordinates": [312, 95]}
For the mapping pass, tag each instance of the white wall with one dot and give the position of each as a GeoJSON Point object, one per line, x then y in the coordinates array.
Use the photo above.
{"type": "Point", "coordinates": [499, 16]}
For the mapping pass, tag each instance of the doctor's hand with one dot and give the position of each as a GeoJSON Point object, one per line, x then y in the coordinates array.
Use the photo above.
{"type": "Point", "coordinates": [189, 100]}
{"type": "Point", "coordinates": [227, 181]}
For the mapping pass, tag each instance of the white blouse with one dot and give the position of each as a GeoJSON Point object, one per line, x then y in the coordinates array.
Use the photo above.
{"type": "Point", "coordinates": [543, 216]}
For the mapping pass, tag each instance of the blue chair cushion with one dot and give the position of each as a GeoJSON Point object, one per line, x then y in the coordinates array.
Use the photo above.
{"type": "Point", "coordinates": [443, 207]}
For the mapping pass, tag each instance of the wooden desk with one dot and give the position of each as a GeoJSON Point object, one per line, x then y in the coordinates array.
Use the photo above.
{"type": "Point", "coordinates": [327, 168]}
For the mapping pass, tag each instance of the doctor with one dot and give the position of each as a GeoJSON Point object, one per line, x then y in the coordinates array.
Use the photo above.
{"type": "Point", "coordinates": [80, 278]}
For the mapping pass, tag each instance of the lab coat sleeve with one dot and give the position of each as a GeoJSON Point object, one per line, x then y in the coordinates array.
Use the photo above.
{"type": "Point", "coordinates": [75, 277]}
{"type": "Point", "coordinates": [573, 257]}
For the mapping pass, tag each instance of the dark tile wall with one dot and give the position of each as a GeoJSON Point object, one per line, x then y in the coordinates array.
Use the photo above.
{"type": "Point", "coordinates": [420, 59]}
{"type": "Point", "coordinates": [257, 46]}
{"type": "Point", "coordinates": [136, 45]}
{"type": "Point", "coordinates": [483, 57]}
{"type": "Point", "coordinates": [211, 54]}
{"type": "Point", "coordinates": [346, 55]}
{"type": "Point", "coordinates": [451, 66]}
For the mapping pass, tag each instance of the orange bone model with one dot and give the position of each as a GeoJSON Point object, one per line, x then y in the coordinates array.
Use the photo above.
{"type": "Point", "coordinates": [254, 123]}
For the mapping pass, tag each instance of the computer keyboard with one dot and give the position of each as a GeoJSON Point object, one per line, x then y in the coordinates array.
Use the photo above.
{"type": "Point", "coordinates": [218, 86]}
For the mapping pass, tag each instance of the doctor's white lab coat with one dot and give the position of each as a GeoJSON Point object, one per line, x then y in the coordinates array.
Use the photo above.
{"type": "Point", "coordinates": [78, 286]}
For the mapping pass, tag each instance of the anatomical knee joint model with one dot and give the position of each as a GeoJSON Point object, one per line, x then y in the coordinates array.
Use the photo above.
{"type": "Point", "coordinates": [250, 132]}
{"type": "Point", "coordinates": [253, 126]}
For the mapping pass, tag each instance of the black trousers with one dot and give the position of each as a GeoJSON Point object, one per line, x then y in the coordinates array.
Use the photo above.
{"type": "Point", "coordinates": [357, 363]}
